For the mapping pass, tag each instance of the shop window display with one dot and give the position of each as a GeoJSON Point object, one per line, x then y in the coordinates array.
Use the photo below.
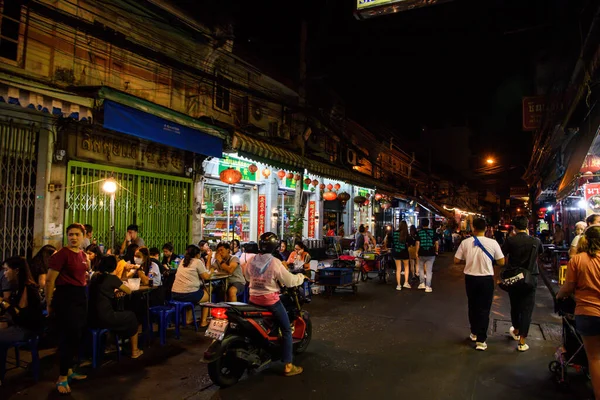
{"type": "Point", "coordinates": [215, 219]}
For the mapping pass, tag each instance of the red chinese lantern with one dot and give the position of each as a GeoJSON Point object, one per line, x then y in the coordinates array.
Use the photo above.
{"type": "Point", "coordinates": [322, 186]}
{"type": "Point", "coordinates": [330, 196]}
{"type": "Point", "coordinates": [337, 186]}
{"type": "Point", "coordinates": [315, 182]}
{"type": "Point", "coordinates": [360, 199]}
{"type": "Point", "coordinates": [230, 176]}
{"type": "Point", "coordinates": [378, 196]}
{"type": "Point", "coordinates": [290, 175]}
{"type": "Point", "coordinates": [366, 203]}
{"type": "Point", "coordinates": [281, 174]}
{"type": "Point", "coordinates": [297, 177]}
{"type": "Point", "coordinates": [252, 168]}
{"type": "Point", "coordinates": [266, 172]}
{"type": "Point", "coordinates": [329, 187]}
{"type": "Point", "coordinates": [307, 181]}
{"type": "Point", "coordinates": [344, 196]}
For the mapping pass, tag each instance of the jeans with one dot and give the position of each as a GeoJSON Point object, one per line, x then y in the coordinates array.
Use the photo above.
{"type": "Point", "coordinates": [521, 308]}
{"type": "Point", "coordinates": [480, 294]}
{"type": "Point", "coordinates": [426, 262]}
{"type": "Point", "coordinates": [282, 318]}
{"type": "Point", "coordinates": [70, 307]}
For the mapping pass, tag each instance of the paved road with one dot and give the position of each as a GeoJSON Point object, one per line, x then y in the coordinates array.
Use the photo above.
{"type": "Point", "coordinates": [379, 343]}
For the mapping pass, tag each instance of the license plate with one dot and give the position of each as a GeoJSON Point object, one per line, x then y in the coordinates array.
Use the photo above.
{"type": "Point", "coordinates": [216, 329]}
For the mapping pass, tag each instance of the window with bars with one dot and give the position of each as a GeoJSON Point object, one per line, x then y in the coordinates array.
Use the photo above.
{"type": "Point", "coordinates": [10, 21]}
{"type": "Point", "coordinates": [222, 95]}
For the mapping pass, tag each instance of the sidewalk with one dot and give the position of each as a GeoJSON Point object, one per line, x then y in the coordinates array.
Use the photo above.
{"type": "Point", "coordinates": [378, 343]}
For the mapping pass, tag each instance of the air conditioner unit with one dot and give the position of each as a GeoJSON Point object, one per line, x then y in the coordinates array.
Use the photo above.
{"type": "Point", "coordinates": [351, 156]}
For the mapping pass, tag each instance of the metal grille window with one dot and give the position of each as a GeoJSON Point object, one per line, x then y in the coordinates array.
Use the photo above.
{"type": "Point", "coordinates": [9, 29]}
{"type": "Point", "coordinates": [18, 167]}
{"type": "Point", "coordinates": [159, 204]}
{"type": "Point", "coordinates": [222, 95]}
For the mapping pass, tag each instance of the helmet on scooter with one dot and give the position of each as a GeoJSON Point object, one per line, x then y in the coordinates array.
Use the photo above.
{"type": "Point", "coordinates": [268, 243]}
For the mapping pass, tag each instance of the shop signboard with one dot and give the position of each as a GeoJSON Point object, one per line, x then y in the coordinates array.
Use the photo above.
{"type": "Point", "coordinates": [291, 184]}
{"type": "Point", "coordinates": [312, 209]}
{"type": "Point", "coordinates": [591, 164]}
{"type": "Point", "coordinates": [262, 213]}
{"type": "Point", "coordinates": [534, 108]}
{"type": "Point", "coordinates": [240, 165]}
{"type": "Point", "coordinates": [592, 198]}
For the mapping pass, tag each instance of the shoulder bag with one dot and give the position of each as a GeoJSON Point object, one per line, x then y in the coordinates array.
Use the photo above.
{"type": "Point", "coordinates": [519, 279]}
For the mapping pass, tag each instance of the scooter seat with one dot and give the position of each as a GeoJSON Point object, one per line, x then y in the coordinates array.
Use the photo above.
{"type": "Point", "coordinates": [249, 308]}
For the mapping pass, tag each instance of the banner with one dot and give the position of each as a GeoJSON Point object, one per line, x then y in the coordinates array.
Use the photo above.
{"type": "Point", "coordinates": [311, 219]}
{"type": "Point", "coordinates": [592, 198]}
{"type": "Point", "coordinates": [262, 212]}
{"type": "Point", "coordinates": [242, 166]}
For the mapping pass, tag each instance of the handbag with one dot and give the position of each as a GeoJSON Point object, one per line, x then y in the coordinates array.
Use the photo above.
{"type": "Point", "coordinates": [519, 279]}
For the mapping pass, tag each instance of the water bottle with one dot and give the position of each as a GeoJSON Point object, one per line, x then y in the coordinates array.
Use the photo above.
{"type": "Point", "coordinates": [101, 246]}
{"type": "Point", "coordinates": [151, 279]}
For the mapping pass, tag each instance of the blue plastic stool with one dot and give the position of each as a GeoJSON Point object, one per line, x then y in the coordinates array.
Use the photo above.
{"type": "Point", "coordinates": [35, 357]}
{"type": "Point", "coordinates": [245, 295]}
{"type": "Point", "coordinates": [163, 314]}
{"type": "Point", "coordinates": [98, 349]}
{"type": "Point", "coordinates": [180, 308]}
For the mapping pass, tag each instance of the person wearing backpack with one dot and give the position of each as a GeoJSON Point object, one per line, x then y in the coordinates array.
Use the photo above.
{"type": "Point", "coordinates": [427, 248]}
{"type": "Point", "coordinates": [478, 254]}
{"type": "Point", "coordinates": [522, 251]}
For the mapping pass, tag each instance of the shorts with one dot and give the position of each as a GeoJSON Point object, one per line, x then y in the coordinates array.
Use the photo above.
{"type": "Point", "coordinates": [402, 255]}
{"type": "Point", "coordinates": [239, 286]}
{"type": "Point", "coordinates": [587, 325]}
{"type": "Point", "coordinates": [192, 297]}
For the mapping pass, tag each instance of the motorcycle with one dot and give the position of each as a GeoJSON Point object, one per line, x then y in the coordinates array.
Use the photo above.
{"type": "Point", "coordinates": [247, 337]}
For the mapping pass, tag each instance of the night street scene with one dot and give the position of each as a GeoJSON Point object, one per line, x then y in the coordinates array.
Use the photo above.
{"type": "Point", "coordinates": [300, 199]}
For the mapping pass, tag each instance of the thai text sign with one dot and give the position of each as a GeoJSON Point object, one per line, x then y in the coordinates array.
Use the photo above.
{"type": "Point", "coordinates": [535, 107]}
{"type": "Point", "coordinates": [592, 197]}
{"type": "Point", "coordinates": [262, 213]}
{"type": "Point", "coordinates": [242, 166]}
{"type": "Point", "coordinates": [311, 219]}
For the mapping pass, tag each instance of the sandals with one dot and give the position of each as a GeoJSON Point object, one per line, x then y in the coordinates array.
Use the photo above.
{"type": "Point", "coordinates": [64, 385]}
{"type": "Point", "coordinates": [76, 377]}
{"type": "Point", "coordinates": [137, 354]}
{"type": "Point", "coordinates": [295, 370]}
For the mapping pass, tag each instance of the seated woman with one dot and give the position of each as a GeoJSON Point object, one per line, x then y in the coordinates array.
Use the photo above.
{"type": "Point", "coordinates": [95, 255]}
{"type": "Point", "coordinates": [299, 260]}
{"type": "Point", "coordinates": [104, 286]}
{"type": "Point", "coordinates": [188, 285]}
{"type": "Point", "coordinates": [39, 265]}
{"type": "Point", "coordinates": [23, 310]}
{"type": "Point", "coordinates": [149, 274]}
{"type": "Point", "coordinates": [283, 251]}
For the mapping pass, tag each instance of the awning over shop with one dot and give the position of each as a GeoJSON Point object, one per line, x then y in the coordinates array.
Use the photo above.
{"type": "Point", "coordinates": [147, 126]}
{"type": "Point", "coordinates": [434, 207]}
{"type": "Point", "coordinates": [588, 133]}
{"type": "Point", "coordinates": [264, 152]}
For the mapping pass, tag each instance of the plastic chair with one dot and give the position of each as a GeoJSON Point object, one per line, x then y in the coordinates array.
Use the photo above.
{"type": "Point", "coordinates": [35, 357]}
{"type": "Point", "coordinates": [163, 314]}
{"type": "Point", "coordinates": [180, 308]}
{"type": "Point", "coordinates": [98, 348]}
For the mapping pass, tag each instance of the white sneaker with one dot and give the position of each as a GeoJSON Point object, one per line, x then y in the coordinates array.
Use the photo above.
{"type": "Point", "coordinates": [421, 286]}
{"type": "Point", "coordinates": [428, 289]}
{"type": "Point", "coordinates": [523, 347]}
{"type": "Point", "coordinates": [407, 285]}
{"type": "Point", "coordinates": [398, 287]}
{"type": "Point", "coordinates": [512, 333]}
{"type": "Point", "coordinates": [481, 346]}
{"type": "Point", "coordinates": [473, 337]}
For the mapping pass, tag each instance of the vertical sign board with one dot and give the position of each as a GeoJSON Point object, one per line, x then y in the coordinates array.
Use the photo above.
{"type": "Point", "coordinates": [592, 198]}
{"type": "Point", "coordinates": [262, 212]}
{"type": "Point", "coordinates": [312, 208]}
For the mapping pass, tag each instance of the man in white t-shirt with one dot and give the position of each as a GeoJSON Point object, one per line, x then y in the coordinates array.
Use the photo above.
{"type": "Point", "coordinates": [479, 278]}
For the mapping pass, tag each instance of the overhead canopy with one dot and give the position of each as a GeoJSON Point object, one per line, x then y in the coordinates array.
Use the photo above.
{"type": "Point", "coordinates": [264, 152]}
{"type": "Point", "coordinates": [147, 126]}
{"type": "Point", "coordinates": [588, 134]}
{"type": "Point", "coordinates": [434, 207]}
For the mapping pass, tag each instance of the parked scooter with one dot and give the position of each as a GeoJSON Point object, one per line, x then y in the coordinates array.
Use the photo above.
{"type": "Point", "coordinates": [246, 337]}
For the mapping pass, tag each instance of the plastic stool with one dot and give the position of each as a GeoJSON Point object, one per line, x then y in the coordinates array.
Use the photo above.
{"type": "Point", "coordinates": [180, 307]}
{"type": "Point", "coordinates": [163, 313]}
{"type": "Point", "coordinates": [98, 349]}
{"type": "Point", "coordinates": [35, 357]}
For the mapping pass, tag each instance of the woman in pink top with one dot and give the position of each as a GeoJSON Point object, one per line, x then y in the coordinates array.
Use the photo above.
{"type": "Point", "coordinates": [264, 273]}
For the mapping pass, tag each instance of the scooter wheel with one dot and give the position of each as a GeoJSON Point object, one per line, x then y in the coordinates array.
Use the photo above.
{"type": "Point", "coordinates": [227, 370]}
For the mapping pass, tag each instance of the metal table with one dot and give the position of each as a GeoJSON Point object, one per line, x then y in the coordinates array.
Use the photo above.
{"type": "Point", "coordinates": [215, 278]}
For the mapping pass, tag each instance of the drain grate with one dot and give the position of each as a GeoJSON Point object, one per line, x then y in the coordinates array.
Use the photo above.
{"type": "Point", "coordinates": [500, 328]}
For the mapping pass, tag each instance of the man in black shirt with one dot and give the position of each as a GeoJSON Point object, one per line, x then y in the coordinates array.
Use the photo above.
{"type": "Point", "coordinates": [519, 250]}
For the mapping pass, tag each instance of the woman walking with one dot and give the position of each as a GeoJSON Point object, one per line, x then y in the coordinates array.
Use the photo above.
{"type": "Point", "coordinates": [583, 280]}
{"type": "Point", "coordinates": [400, 254]}
{"type": "Point", "coordinates": [67, 274]}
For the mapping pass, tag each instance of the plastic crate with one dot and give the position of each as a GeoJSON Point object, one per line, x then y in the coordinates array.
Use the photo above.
{"type": "Point", "coordinates": [368, 256]}
{"type": "Point", "coordinates": [335, 276]}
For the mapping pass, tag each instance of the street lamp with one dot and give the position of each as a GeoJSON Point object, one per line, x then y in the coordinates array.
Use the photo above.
{"type": "Point", "coordinates": [110, 187]}
{"type": "Point", "coordinates": [490, 161]}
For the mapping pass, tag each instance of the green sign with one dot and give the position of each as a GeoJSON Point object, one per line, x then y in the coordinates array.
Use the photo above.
{"type": "Point", "coordinates": [242, 166]}
{"type": "Point", "coordinates": [290, 183]}
{"type": "Point", "coordinates": [363, 192]}
{"type": "Point", "coordinates": [210, 208]}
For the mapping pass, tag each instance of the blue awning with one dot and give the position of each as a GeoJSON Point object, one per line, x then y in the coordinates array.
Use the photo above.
{"type": "Point", "coordinates": [150, 127]}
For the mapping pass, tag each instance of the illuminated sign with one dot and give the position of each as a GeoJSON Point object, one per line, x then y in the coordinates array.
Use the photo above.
{"type": "Point", "coordinates": [374, 8]}
{"type": "Point", "coordinates": [371, 3]}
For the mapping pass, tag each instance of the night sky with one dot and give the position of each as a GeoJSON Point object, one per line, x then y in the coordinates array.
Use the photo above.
{"type": "Point", "coordinates": [462, 63]}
